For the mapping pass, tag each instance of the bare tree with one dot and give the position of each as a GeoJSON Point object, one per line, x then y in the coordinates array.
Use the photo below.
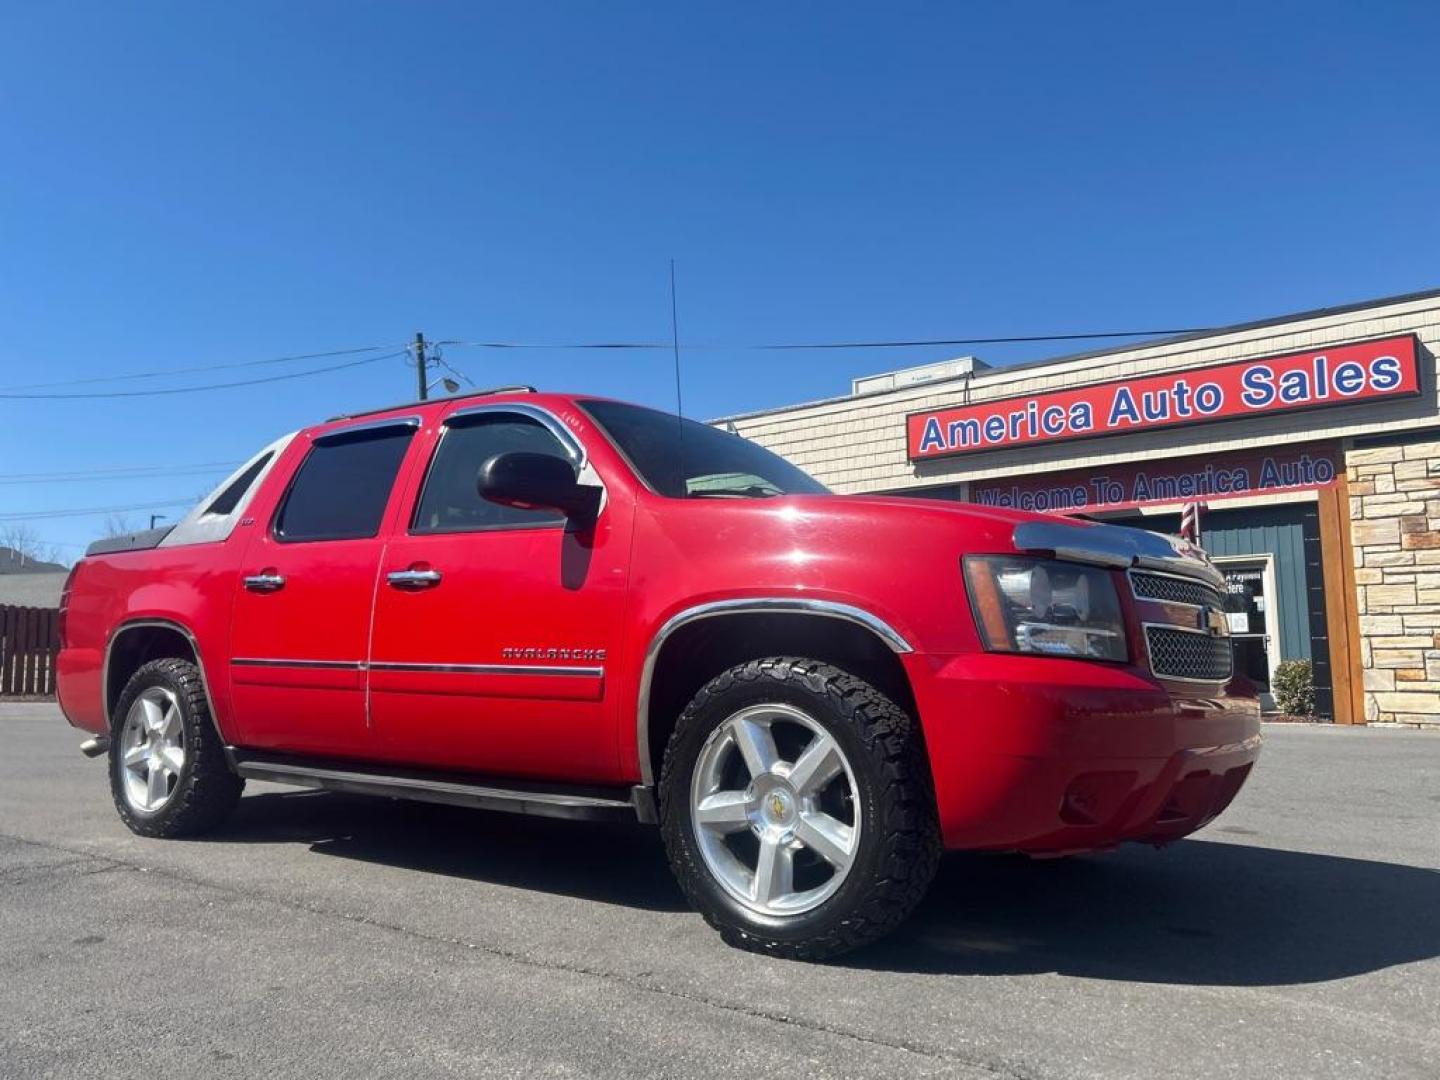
{"type": "Point", "coordinates": [21, 539]}
{"type": "Point", "coordinates": [118, 525]}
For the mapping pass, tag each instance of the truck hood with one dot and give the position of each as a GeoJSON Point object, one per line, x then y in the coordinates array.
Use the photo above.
{"type": "Point", "coordinates": [1000, 530]}
{"type": "Point", "coordinates": [971, 511]}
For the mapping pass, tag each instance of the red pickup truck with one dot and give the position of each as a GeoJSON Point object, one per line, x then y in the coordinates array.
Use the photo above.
{"type": "Point", "coordinates": [577, 607]}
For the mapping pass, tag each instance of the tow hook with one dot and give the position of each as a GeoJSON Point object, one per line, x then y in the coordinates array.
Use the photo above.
{"type": "Point", "coordinates": [100, 744]}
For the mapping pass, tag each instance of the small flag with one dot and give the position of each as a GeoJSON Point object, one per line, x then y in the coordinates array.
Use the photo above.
{"type": "Point", "coordinates": [1190, 522]}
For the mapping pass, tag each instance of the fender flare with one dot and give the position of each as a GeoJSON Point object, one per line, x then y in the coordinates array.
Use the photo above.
{"type": "Point", "coordinates": [753, 605]}
{"type": "Point", "coordinates": [168, 624]}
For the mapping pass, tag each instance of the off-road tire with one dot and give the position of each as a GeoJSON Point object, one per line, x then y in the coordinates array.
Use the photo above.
{"type": "Point", "coordinates": [899, 846]}
{"type": "Point", "coordinates": [207, 789]}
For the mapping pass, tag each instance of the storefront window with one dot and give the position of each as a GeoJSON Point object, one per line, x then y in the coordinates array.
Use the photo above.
{"type": "Point", "coordinates": [1249, 612]}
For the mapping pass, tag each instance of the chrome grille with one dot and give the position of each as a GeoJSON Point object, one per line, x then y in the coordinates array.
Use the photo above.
{"type": "Point", "coordinates": [1175, 590]}
{"type": "Point", "coordinates": [1188, 654]}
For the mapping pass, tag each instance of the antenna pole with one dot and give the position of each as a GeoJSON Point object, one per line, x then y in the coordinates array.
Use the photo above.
{"type": "Point", "coordinates": [675, 340]}
{"type": "Point", "coordinates": [679, 404]}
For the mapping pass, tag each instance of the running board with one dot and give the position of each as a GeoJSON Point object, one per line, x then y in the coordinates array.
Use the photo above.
{"type": "Point", "coordinates": [455, 789]}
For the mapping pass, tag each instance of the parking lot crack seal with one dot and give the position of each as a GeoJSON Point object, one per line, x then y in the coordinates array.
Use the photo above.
{"type": "Point", "coordinates": [23, 875]}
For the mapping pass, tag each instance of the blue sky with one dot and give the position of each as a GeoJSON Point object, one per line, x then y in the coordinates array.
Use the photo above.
{"type": "Point", "coordinates": [207, 184]}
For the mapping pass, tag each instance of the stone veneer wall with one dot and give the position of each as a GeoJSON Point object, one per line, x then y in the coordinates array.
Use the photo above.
{"type": "Point", "coordinates": [1395, 529]}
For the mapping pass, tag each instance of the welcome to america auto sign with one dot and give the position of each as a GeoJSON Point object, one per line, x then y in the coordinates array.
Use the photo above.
{"type": "Point", "coordinates": [1335, 375]}
{"type": "Point", "coordinates": [1210, 477]}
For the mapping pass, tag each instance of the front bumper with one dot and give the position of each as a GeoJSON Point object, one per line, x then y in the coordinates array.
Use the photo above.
{"type": "Point", "coordinates": [1052, 756]}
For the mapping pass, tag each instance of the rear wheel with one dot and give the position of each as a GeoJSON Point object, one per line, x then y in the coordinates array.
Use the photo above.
{"type": "Point", "coordinates": [168, 772]}
{"type": "Point", "coordinates": [796, 809]}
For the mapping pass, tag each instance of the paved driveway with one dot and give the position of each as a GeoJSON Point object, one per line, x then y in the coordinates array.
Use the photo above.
{"type": "Point", "coordinates": [329, 936]}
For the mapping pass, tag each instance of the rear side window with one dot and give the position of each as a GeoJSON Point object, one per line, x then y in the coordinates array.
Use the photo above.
{"type": "Point", "coordinates": [227, 500]}
{"type": "Point", "coordinates": [340, 490]}
{"type": "Point", "coordinates": [449, 501]}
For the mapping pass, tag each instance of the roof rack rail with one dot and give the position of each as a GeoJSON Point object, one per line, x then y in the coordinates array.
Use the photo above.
{"type": "Point", "coordinates": [518, 388]}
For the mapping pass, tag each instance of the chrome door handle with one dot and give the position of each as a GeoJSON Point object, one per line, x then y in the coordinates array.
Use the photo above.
{"type": "Point", "coordinates": [264, 582]}
{"type": "Point", "coordinates": [413, 579]}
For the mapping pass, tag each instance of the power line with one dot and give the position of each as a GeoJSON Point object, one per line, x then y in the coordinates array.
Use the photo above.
{"type": "Point", "coordinates": [88, 511]}
{"type": "Point", "coordinates": [83, 478]}
{"type": "Point", "coordinates": [898, 344]}
{"type": "Point", "coordinates": [61, 543]}
{"type": "Point", "coordinates": [204, 367]}
{"type": "Point", "coordinates": [117, 471]}
{"type": "Point", "coordinates": [980, 340]}
{"type": "Point", "coordinates": [559, 344]}
{"type": "Point", "coordinates": [26, 391]}
{"type": "Point", "coordinates": [210, 386]}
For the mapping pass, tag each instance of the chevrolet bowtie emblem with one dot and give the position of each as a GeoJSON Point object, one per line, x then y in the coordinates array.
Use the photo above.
{"type": "Point", "coordinates": [1212, 621]}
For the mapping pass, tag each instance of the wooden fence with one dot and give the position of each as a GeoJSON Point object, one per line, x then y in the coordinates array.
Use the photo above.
{"type": "Point", "coordinates": [29, 642]}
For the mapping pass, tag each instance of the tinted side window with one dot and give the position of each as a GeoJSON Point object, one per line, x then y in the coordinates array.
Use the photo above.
{"type": "Point", "coordinates": [449, 501]}
{"type": "Point", "coordinates": [342, 486]}
{"type": "Point", "coordinates": [230, 498]}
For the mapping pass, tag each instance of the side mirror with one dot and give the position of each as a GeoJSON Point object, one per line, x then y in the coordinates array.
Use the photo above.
{"type": "Point", "coordinates": [531, 481]}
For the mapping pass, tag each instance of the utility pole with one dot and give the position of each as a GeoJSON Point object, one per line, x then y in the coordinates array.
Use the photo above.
{"type": "Point", "coordinates": [420, 363]}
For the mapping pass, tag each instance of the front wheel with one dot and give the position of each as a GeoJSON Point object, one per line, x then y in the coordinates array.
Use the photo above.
{"type": "Point", "coordinates": [796, 809]}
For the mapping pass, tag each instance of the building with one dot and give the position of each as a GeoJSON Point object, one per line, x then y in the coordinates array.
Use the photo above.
{"type": "Point", "coordinates": [31, 590]}
{"type": "Point", "coordinates": [1312, 441]}
{"type": "Point", "coordinates": [13, 561]}
{"type": "Point", "coordinates": [27, 582]}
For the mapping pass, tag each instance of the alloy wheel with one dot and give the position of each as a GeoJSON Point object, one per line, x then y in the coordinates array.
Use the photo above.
{"type": "Point", "coordinates": [152, 749]}
{"type": "Point", "coordinates": [774, 806]}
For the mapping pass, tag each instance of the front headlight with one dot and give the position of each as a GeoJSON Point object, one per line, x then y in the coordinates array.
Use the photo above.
{"type": "Point", "coordinates": [1045, 606]}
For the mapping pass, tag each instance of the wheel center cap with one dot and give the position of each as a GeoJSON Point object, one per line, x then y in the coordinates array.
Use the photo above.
{"type": "Point", "coordinates": [777, 806]}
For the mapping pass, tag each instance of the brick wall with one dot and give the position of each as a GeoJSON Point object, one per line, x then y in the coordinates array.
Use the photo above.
{"type": "Point", "coordinates": [1395, 528]}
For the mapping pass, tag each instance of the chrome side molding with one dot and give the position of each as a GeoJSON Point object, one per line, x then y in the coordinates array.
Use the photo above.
{"type": "Point", "coordinates": [563, 670]}
{"type": "Point", "coordinates": [1116, 546]}
{"type": "Point", "coordinates": [266, 662]}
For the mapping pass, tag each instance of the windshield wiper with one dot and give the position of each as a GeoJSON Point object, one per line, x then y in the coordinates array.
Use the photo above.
{"type": "Point", "coordinates": [735, 493]}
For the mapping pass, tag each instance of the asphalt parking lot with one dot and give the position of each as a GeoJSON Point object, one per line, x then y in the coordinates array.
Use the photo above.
{"type": "Point", "coordinates": [333, 936]}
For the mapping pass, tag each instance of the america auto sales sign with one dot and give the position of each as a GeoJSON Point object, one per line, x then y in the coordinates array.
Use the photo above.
{"type": "Point", "coordinates": [1335, 375]}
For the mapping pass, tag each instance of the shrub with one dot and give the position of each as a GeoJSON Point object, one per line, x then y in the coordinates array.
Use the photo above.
{"type": "Point", "coordinates": [1294, 688]}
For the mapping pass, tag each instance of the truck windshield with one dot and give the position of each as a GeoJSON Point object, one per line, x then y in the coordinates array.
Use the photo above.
{"type": "Point", "coordinates": [686, 460]}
